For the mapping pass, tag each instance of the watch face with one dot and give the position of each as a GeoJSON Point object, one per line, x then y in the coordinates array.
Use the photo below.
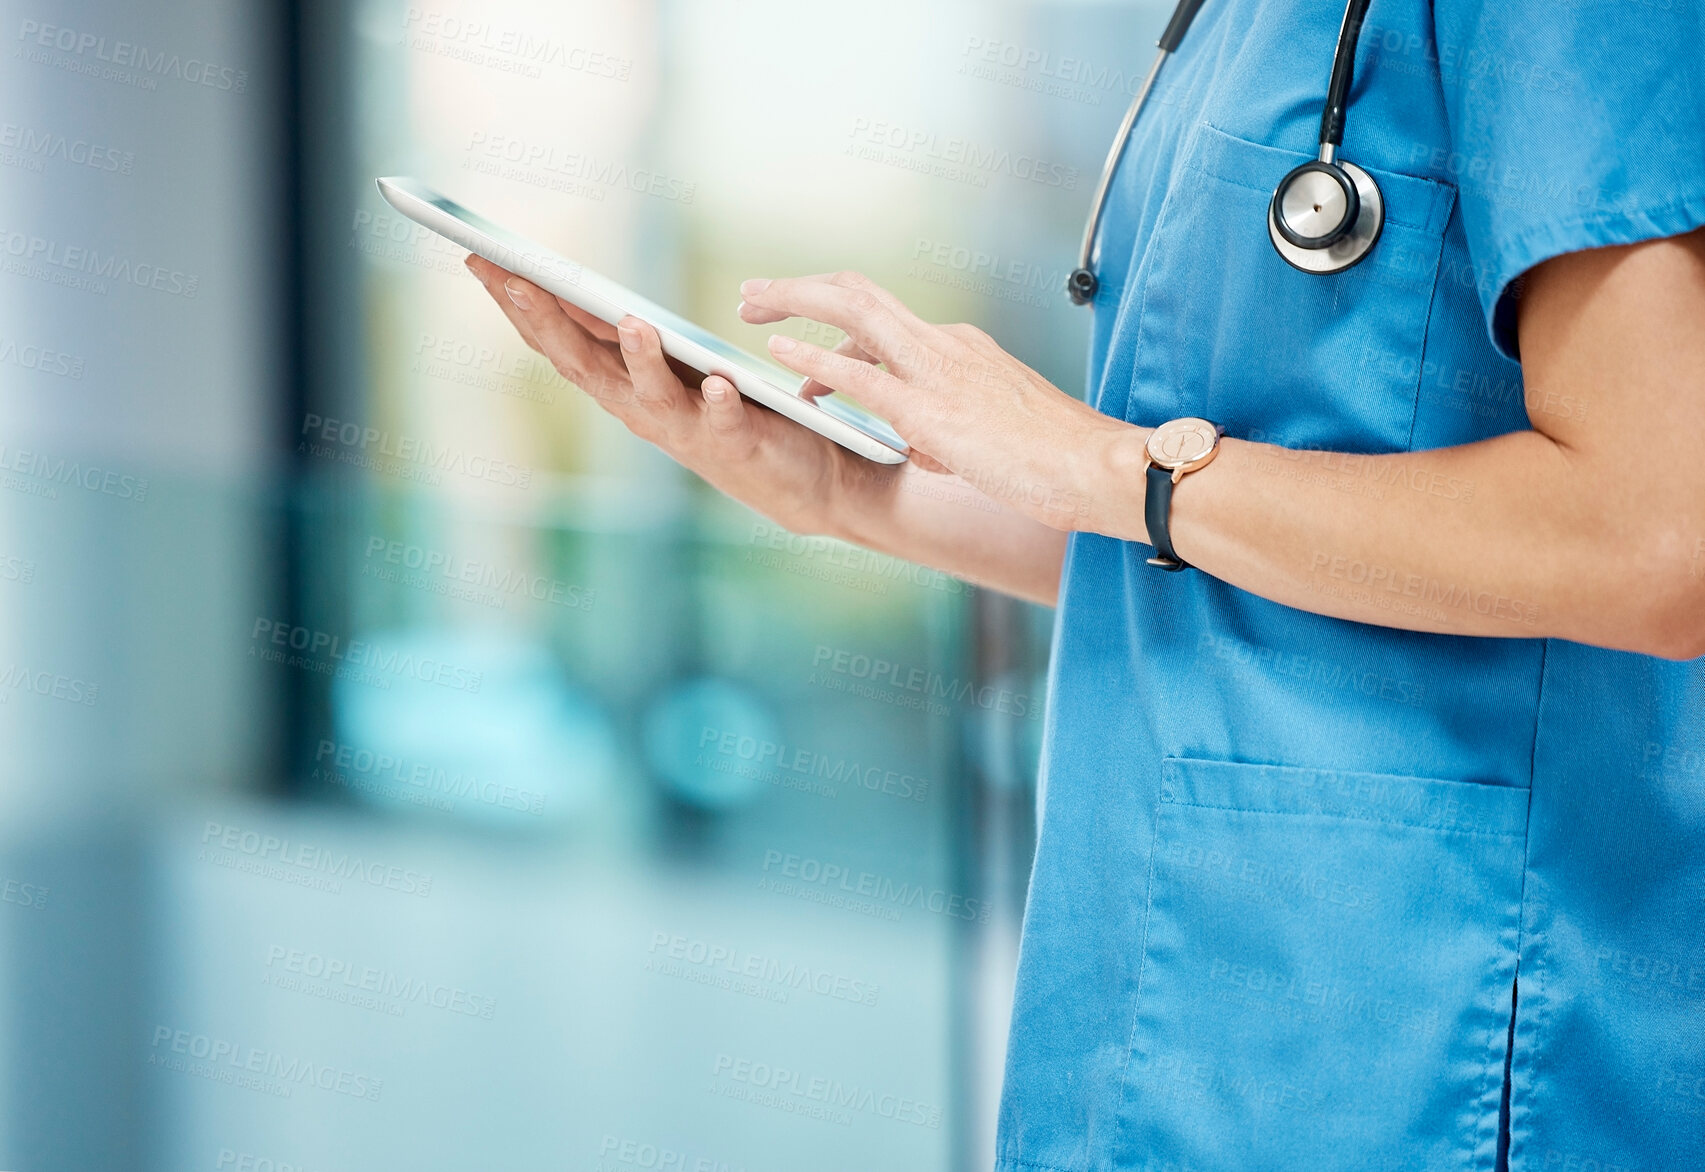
{"type": "Point", "coordinates": [1182, 442]}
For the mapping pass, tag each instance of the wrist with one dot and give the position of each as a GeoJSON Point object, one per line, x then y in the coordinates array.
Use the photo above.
{"type": "Point", "coordinates": [852, 490]}
{"type": "Point", "coordinates": [1120, 490]}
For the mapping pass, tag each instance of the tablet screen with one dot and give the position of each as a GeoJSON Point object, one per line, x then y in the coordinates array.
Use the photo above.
{"type": "Point", "coordinates": [530, 259]}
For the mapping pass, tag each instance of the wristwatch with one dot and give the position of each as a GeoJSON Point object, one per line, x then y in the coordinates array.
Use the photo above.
{"type": "Point", "coordinates": [1173, 449]}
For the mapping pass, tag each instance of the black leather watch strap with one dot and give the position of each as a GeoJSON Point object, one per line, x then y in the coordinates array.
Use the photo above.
{"type": "Point", "coordinates": [1157, 511]}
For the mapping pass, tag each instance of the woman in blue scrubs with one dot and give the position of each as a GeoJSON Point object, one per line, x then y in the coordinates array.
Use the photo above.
{"type": "Point", "coordinates": [1375, 839]}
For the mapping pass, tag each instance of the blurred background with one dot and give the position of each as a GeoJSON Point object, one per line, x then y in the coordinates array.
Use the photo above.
{"type": "Point", "coordinates": [401, 765]}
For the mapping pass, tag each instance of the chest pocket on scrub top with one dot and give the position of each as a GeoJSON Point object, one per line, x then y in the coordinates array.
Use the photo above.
{"type": "Point", "coordinates": [1232, 333]}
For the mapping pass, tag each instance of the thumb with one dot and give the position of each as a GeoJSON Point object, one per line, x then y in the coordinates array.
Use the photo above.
{"type": "Point", "coordinates": [725, 413]}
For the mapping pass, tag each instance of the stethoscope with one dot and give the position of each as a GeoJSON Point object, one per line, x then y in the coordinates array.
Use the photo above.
{"type": "Point", "coordinates": [1324, 216]}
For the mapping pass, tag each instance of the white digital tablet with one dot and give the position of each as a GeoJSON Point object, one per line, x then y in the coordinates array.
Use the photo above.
{"type": "Point", "coordinates": [760, 380]}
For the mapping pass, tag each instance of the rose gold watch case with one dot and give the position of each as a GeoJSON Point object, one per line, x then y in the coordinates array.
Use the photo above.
{"type": "Point", "coordinates": [1182, 445]}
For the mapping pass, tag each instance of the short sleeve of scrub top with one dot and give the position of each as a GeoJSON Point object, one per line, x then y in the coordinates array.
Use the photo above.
{"type": "Point", "coordinates": [1574, 125]}
{"type": "Point", "coordinates": [1316, 894]}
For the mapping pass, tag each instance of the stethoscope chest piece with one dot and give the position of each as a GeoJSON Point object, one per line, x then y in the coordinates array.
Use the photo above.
{"type": "Point", "coordinates": [1325, 216]}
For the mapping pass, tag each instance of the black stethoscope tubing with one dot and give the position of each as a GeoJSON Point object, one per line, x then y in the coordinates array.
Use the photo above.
{"type": "Point", "coordinates": [1324, 216]}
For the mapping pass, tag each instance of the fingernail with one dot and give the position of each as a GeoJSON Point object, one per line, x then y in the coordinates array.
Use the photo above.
{"type": "Point", "coordinates": [781, 344]}
{"type": "Point", "coordinates": [629, 337]}
{"type": "Point", "coordinates": [715, 392]}
{"type": "Point", "coordinates": [517, 293]}
{"type": "Point", "coordinates": [748, 288]}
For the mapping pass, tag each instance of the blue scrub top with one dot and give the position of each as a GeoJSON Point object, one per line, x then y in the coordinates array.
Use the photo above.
{"type": "Point", "coordinates": [1289, 867]}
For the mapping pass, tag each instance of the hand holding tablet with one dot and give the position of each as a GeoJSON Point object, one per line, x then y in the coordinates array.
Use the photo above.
{"type": "Point", "coordinates": [831, 416]}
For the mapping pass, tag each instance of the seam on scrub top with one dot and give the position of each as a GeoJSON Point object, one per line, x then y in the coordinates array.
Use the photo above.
{"type": "Point", "coordinates": [1427, 337]}
{"type": "Point", "coordinates": [1538, 705]}
{"type": "Point", "coordinates": [1692, 201]}
{"type": "Point", "coordinates": [1491, 1077]}
{"type": "Point", "coordinates": [1538, 1003]}
{"type": "Point", "coordinates": [1494, 1067]}
{"type": "Point", "coordinates": [1518, 250]}
{"type": "Point", "coordinates": [1142, 970]}
{"type": "Point", "coordinates": [1515, 971]}
{"type": "Point", "coordinates": [1186, 141]}
{"type": "Point", "coordinates": [1346, 818]}
{"type": "Point", "coordinates": [1011, 1163]}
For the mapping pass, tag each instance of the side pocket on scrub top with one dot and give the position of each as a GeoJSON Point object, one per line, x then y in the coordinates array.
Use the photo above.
{"type": "Point", "coordinates": [1326, 971]}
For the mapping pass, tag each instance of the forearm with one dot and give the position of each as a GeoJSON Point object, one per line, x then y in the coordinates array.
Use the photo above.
{"type": "Point", "coordinates": [938, 520]}
{"type": "Point", "coordinates": [1589, 531]}
{"type": "Point", "coordinates": [1511, 536]}
{"type": "Point", "coordinates": [1588, 527]}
